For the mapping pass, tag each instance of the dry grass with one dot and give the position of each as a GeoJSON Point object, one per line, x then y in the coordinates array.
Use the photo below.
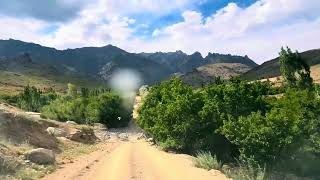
{"type": "Point", "coordinates": [206, 161]}
{"type": "Point", "coordinates": [72, 150]}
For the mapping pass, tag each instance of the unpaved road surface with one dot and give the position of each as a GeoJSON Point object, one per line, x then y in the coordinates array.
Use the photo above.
{"type": "Point", "coordinates": [133, 160]}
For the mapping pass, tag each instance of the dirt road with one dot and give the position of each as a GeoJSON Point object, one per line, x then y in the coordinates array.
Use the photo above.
{"type": "Point", "coordinates": [135, 160]}
{"type": "Point", "coordinates": [131, 159]}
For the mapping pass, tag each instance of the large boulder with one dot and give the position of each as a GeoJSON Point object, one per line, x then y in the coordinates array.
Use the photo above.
{"type": "Point", "coordinates": [85, 135]}
{"type": "Point", "coordinates": [57, 132]}
{"type": "Point", "coordinates": [41, 156]}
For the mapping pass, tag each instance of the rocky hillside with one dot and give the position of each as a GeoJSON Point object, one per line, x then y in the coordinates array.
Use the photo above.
{"type": "Point", "coordinates": [101, 62]}
{"type": "Point", "coordinates": [207, 73]}
{"type": "Point", "coordinates": [96, 61]}
{"type": "Point", "coordinates": [181, 62]}
{"type": "Point", "coordinates": [19, 71]}
{"type": "Point", "coordinates": [271, 68]}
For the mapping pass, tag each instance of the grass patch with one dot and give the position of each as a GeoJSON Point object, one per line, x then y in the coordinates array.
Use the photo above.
{"type": "Point", "coordinates": [72, 150]}
{"type": "Point", "coordinates": [206, 161]}
{"type": "Point", "coordinates": [34, 171]}
{"type": "Point", "coordinates": [13, 163]}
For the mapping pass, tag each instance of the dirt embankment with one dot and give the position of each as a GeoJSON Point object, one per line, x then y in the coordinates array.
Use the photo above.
{"type": "Point", "coordinates": [22, 132]}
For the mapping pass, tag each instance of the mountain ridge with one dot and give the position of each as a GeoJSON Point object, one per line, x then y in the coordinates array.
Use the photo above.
{"type": "Point", "coordinates": [100, 62]}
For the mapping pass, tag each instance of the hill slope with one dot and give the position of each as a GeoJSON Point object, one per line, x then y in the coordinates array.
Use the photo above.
{"type": "Point", "coordinates": [17, 72]}
{"type": "Point", "coordinates": [181, 62]}
{"type": "Point", "coordinates": [206, 74]}
{"type": "Point", "coordinates": [88, 60]}
{"type": "Point", "coordinates": [101, 62]}
{"type": "Point", "coordinates": [271, 68]}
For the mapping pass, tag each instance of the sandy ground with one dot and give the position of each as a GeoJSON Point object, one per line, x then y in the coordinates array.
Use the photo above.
{"type": "Point", "coordinates": [133, 160]}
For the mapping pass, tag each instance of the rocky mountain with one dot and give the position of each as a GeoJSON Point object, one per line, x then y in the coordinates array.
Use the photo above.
{"type": "Point", "coordinates": [93, 61]}
{"type": "Point", "coordinates": [181, 62]}
{"type": "Point", "coordinates": [208, 73]}
{"type": "Point", "coordinates": [271, 68]}
{"type": "Point", "coordinates": [19, 71]}
{"type": "Point", "coordinates": [24, 64]}
{"type": "Point", "coordinates": [101, 62]}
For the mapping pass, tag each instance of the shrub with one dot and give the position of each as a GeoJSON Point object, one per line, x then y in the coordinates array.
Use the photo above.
{"type": "Point", "coordinates": [246, 170]}
{"type": "Point", "coordinates": [8, 166]}
{"type": "Point", "coordinates": [169, 114]}
{"type": "Point", "coordinates": [206, 161]}
{"type": "Point", "coordinates": [276, 134]}
{"type": "Point", "coordinates": [32, 99]}
{"type": "Point", "coordinates": [72, 90]}
{"type": "Point", "coordinates": [104, 108]}
{"type": "Point", "coordinates": [108, 109]}
{"type": "Point", "coordinates": [237, 119]}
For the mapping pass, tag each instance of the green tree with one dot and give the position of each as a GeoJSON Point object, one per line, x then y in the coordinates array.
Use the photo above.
{"type": "Point", "coordinates": [72, 90]}
{"type": "Point", "coordinates": [108, 109]}
{"type": "Point", "coordinates": [295, 70]}
{"type": "Point", "coordinates": [170, 113]}
{"type": "Point", "coordinates": [33, 99]}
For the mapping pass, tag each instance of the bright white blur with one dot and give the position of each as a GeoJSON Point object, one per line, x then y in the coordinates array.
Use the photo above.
{"type": "Point", "coordinates": [126, 82]}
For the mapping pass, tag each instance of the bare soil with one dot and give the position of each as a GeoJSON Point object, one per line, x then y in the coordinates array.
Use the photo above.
{"type": "Point", "coordinates": [133, 160]}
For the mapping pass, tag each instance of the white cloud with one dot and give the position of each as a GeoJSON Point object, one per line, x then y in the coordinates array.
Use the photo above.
{"type": "Point", "coordinates": [258, 30]}
{"type": "Point", "coordinates": [24, 29]}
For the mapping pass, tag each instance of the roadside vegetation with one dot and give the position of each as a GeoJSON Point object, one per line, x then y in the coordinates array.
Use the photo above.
{"type": "Point", "coordinates": [260, 131]}
{"type": "Point", "coordinates": [84, 106]}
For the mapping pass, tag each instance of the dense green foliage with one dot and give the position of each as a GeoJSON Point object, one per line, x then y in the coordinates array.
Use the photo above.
{"type": "Point", "coordinates": [88, 107]}
{"type": "Point", "coordinates": [31, 98]}
{"type": "Point", "coordinates": [236, 120]}
{"type": "Point", "coordinates": [294, 69]}
{"type": "Point", "coordinates": [170, 113]}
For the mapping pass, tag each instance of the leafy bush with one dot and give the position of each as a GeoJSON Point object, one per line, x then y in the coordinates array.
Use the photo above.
{"type": "Point", "coordinates": [170, 113]}
{"type": "Point", "coordinates": [31, 98]}
{"type": "Point", "coordinates": [108, 109]}
{"type": "Point", "coordinates": [237, 119]}
{"type": "Point", "coordinates": [206, 161]}
{"type": "Point", "coordinates": [104, 108]}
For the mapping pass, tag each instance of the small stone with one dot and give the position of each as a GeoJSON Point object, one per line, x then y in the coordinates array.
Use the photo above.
{"type": "Point", "coordinates": [71, 122]}
{"type": "Point", "coordinates": [56, 132]}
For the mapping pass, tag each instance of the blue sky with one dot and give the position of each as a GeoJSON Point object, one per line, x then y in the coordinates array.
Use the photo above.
{"type": "Point", "coordinates": [257, 28]}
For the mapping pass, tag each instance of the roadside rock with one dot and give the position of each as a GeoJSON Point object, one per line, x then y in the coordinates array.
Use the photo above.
{"type": "Point", "coordinates": [141, 136]}
{"type": "Point", "coordinates": [84, 136]}
{"type": "Point", "coordinates": [41, 156]}
{"type": "Point", "coordinates": [99, 126]}
{"type": "Point", "coordinates": [71, 122]}
{"type": "Point", "coordinates": [123, 136]}
{"type": "Point", "coordinates": [1, 159]}
{"type": "Point", "coordinates": [56, 132]}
